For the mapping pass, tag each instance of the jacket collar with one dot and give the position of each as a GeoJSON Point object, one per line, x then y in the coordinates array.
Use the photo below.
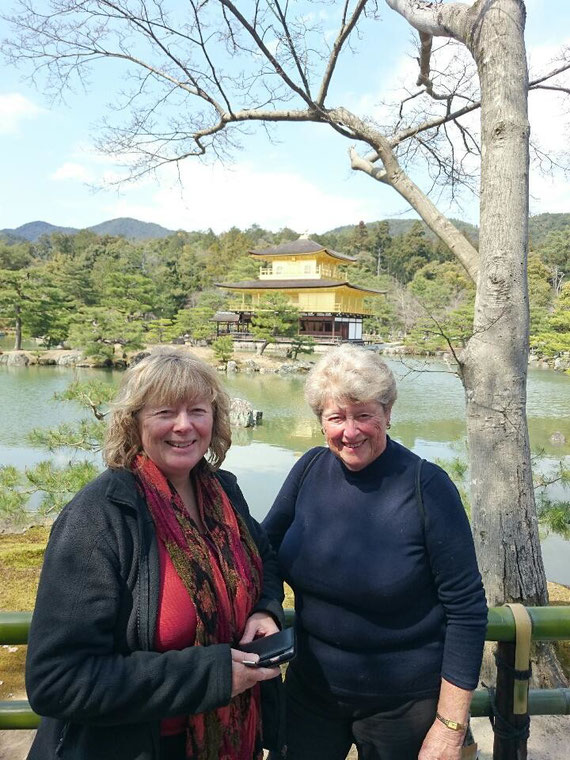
{"type": "Point", "coordinates": [122, 488]}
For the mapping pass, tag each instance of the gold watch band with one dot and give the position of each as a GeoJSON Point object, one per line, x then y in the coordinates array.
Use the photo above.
{"type": "Point", "coordinates": [452, 724]}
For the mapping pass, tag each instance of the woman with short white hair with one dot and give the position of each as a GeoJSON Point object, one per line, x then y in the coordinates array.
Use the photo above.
{"type": "Point", "coordinates": [390, 608]}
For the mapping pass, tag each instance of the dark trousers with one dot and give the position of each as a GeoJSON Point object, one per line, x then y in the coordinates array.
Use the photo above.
{"type": "Point", "coordinates": [319, 727]}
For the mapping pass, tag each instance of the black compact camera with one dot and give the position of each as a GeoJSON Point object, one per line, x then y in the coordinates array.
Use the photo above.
{"type": "Point", "coordinates": [272, 650]}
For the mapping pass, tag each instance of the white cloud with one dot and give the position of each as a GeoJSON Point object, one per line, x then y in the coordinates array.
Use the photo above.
{"type": "Point", "coordinates": [549, 194]}
{"type": "Point", "coordinates": [14, 109]}
{"type": "Point", "coordinates": [73, 171]}
{"type": "Point", "coordinates": [220, 197]}
{"type": "Point", "coordinates": [548, 110]}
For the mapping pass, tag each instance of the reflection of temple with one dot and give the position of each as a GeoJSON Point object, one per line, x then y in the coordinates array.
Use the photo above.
{"type": "Point", "coordinates": [310, 276]}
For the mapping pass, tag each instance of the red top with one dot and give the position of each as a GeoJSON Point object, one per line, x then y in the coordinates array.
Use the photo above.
{"type": "Point", "coordinates": [175, 625]}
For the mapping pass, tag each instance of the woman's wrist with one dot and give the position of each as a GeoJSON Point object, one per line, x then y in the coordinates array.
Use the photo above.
{"type": "Point", "coordinates": [452, 712]}
{"type": "Point", "coordinates": [445, 735]}
{"type": "Point", "coordinates": [453, 725]}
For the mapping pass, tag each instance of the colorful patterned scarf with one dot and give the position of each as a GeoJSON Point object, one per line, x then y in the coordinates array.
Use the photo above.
{"type": "Point", "coordinates": [223, 591]}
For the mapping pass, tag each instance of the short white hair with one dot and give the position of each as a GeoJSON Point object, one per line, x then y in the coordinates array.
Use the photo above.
{"type": "Point", "coordinates": [350, 373]}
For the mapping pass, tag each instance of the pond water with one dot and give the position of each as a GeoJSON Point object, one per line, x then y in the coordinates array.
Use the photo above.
{"type": "Point", "coordinates": [428, 417]}
{"type": "Point", "coordinates": [7, 343]}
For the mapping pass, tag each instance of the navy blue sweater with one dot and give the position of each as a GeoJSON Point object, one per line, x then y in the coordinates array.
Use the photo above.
{"type": "Point", "coordinates": [386, 602]}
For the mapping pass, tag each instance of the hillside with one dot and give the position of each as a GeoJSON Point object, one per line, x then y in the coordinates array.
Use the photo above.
{"type": "Point", "coordinates": [125, 227]}
{"type": "Point", "coordinates": [32, 231]}
{"type": "Point", "coordinates": [540, 225]}
{"type": "Point", "coordinates": [133, 229]}
{"type": "Point", "coordinates": [399, 227]}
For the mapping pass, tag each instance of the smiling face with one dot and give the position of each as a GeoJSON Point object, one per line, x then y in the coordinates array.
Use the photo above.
{"type": "Point", "coordinates": [355, 432]}
{"type": "Point", "coordinates": [176, 437]}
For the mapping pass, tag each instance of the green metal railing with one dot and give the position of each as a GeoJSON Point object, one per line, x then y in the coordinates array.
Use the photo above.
{"type": "Point", "coordinates": [14, 627]}
{"type": "Point", "coordinates": [548, 624]}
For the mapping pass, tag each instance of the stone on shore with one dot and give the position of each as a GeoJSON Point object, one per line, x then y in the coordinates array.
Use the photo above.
{"type": "Point", "coordinates": [17, 359]}
{"type": "Point", "coordinates": [241, 413]}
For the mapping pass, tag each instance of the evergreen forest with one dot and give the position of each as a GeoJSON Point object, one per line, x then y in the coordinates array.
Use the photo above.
{"type": "Point", "coordinates": [92, 291]}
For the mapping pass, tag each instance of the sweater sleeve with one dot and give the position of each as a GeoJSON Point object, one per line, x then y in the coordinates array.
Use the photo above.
{"type": "Point", "coordinates": [458, 581]}
{"type": "Point", "coordinates": [272, 591]}
{"type": "Point", "coordinates": [282, 513]}
{"type": "Point", "coordinates": [78, 667]}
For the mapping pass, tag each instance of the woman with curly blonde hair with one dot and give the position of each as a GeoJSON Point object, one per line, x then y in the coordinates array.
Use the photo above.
{"type": "Point", "coordinates": [153, 573]}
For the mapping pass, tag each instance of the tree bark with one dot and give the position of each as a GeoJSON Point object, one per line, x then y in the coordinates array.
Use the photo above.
{"type": "Point", "coordinates": [494, 365]}
{"type": "Point", "coordinates": [18, 334]}
{"type": "Point", "coordinates": [496, 358]}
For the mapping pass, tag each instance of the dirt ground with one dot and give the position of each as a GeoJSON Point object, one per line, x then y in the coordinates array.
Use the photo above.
{"type": "Point", "coordinates": [14, 745]}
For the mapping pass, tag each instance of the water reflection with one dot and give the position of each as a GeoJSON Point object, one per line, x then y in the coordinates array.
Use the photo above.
{"type": "Point", "coordinates": [430, 407]}
{"type": "Point", "coordinates": [428, 417]}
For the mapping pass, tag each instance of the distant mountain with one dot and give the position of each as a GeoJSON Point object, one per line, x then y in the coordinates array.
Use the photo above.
{"type": "Point", "coordinates": [124, 227]}
{"type": "Point", "coordinates": [9, 238]}
{"type": "Point", "coordinates": [34, 230]}
{"type": "Point", "coordinates": [131, 229]}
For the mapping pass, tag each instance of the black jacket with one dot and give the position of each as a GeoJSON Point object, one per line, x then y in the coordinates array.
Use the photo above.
{"type": "Point", "coordinates": [91, 668]}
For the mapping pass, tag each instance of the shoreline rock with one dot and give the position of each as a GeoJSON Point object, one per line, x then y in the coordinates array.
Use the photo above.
{"type": "Point", "coordinates": [62, 357]}
{"type": "Point", "coordinates": [74, 358]}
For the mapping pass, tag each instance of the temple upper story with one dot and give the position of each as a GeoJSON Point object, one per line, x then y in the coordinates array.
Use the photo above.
{"type": "Point", "coordinates": [301, 259]}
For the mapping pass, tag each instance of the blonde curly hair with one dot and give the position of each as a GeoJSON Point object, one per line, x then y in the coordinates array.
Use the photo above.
{"type": "Point", "coordinates": [165, 376]}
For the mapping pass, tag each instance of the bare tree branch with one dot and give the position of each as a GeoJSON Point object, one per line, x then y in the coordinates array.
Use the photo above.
{"type": "Point", "coordinates": [266, 52]}
{"type": "Point", "coordinates": [552, 87]}
{"type": "Point", "coordinates": [405, 134]}
{"type": "Point", "coordinates": [344, 32]}
{"type": "Point", "coordinates": [536, 82]}
{"type": "Point", "coordinates": [293, 48]}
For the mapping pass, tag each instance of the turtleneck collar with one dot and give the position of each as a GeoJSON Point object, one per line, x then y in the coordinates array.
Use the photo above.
{"type": "Point", "coordinates": [377, 467]}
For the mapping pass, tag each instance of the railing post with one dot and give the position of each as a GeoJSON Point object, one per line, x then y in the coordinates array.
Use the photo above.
{"type": "Point", "coordinates": [505, 747]}
{"type": "Point", "coordinates": [511, 719]}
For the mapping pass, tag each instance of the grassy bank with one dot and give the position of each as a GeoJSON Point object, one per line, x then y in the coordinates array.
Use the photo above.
{"type": "Point", "coordinates": [21, 557]}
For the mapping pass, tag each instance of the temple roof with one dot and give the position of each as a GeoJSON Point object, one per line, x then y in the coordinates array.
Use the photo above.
{"type": "Point", "coordinates": [225, 316]}
{"type": "Point", "coordinates": [300, 247]}
{"type": "Point", "coordinates": [293, 285]}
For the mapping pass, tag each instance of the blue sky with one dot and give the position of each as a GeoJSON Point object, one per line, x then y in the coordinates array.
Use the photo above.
{"type": "Point", "coordinates": [301, 179]}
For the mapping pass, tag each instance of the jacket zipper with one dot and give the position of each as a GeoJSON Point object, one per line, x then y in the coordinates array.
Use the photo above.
{"type": "Point", "coordinates": [61, 741]}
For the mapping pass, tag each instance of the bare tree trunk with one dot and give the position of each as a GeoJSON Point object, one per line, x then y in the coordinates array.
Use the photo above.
{"type": "Point", "coordinates": [18, 335]}
{"type": "Point", "coordinates": [496, 358]}
{"type": "Point", "coordinates": [494, 363]}
{"type": "Point", "coordinates": [505, 525]}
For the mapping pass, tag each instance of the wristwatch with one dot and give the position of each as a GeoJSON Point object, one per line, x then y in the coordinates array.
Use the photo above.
{"type": "Point", "coordinates": [452, 724]}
